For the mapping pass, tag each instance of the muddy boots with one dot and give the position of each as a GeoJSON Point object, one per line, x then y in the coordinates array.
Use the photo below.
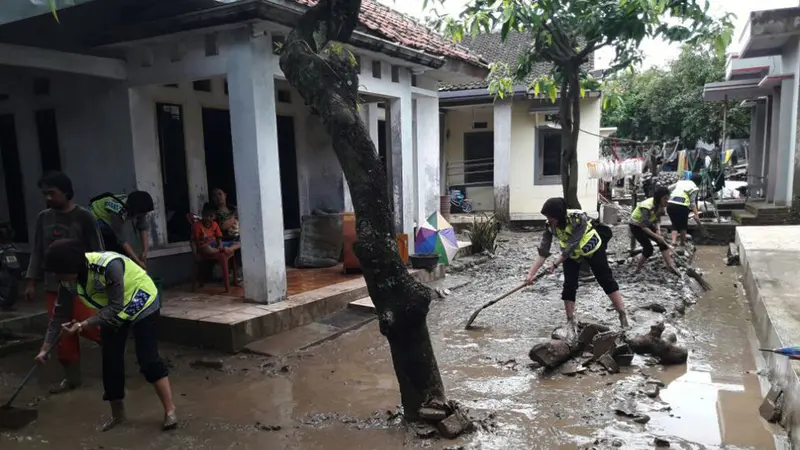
{"type": "Point", "coordinates": [71, 381]}
{"type": "Point", "coordinates": [623, 319]}
{"type": "Point", "coordinates": [117, 415]}
{"type": "Point", "coordinates": [170, 421]}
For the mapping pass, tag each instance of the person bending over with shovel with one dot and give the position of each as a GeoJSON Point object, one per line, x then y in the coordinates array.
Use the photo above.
{"type": "Point", "coordinates": [681, 199]}
{"type": "Point", "coordinates": [126, 300]}
{"type": "Point", "coordinates": [644, 227]}
{"type": "Point", "coordinates": [579, 240]}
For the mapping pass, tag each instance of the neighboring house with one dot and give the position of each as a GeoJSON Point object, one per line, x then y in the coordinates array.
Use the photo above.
{"type": "Point", "coordinates": [764, 76]}
{"type": "Point", "coordinates": [506, 154]}
{"type": "Point", "coordinates": [179, 97]}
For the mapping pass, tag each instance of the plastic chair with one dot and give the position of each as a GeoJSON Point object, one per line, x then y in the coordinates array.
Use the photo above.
{"type": "Point", "coordinates": [223, 259]}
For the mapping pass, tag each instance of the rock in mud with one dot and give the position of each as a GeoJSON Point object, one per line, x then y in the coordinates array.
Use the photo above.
{"type": "Point", "coordinates": [563, 334]}
{"type": "Point", "coordinates": [608, 362]}
{"type": "Point", "coordinates": [423, 431]}
{"type": "Point", "coordinates": [623, 355]}
{"type": "Point", "coordinates": [572, 369]}
{"type": "Point", "coordinates": [642, 418]}
{"type": "Point", "coordinates": [453, 426]}
{"type": "Point", "coordinates": [432, 414]}
{"type": "Point", "coordinates": [604, 343]}
{"type": "Point", "coordinates": [660, 442]}
{"type": "Point", "coordinates": [588, 332]}
{"type": "Point", "coordinates": [264, 427]}
{"type": "Point", "coordinates": [771, 407]}
{"type": "Point", "coordinates": [652, 343]}
{"type": "Point", "coordinates": [207, 363]}
{"type": "Point", "coordinates": [658, 383]}
{"type": "Point", "coordinates": [655, 307]}
{"type": "Point", "coordinates": [652, 390]}
{"type": "Point", "coordinates": [625, 407]}
{"type": "Point", "coordinates": [551, 354]}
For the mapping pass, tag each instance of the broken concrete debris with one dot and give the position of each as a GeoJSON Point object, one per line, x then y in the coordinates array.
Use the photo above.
{"type": "Point", "coordinates": [453, 425]}
{"type": "Point", "coordinates": [771, 408]}
{"type": "Point", "coordinates": [432, 414]}
{"type": "Point", "coordinates": [208, 363]}
{"type": "Point", "coordinates": [660, 442]}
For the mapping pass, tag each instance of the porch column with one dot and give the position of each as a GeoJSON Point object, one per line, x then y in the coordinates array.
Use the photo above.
{"type": "Point", "coordinates": [767, 142]}
{"type": "Point", "coordinates": [787, 141]}
{"type": "Point", "coordinates": [502, 158]}
{"type": "Point", "coordinates": [774, 145]}
{"type": "Point", "coordinates": [195, 155]}
{"type": "Point", "coordinates": [254, 132]}
{"type": "Point", "coordinates": [427, 169]}
{"type": "Point", "coordinates": [755, 153]}
{"type": "Point", "coordinates": [402, 164]}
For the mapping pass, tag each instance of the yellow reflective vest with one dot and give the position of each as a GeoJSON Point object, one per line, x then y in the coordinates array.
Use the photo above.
{"type": "Point", "coordinates": [104, 208]}
{"type": "Point", "coordinates": [682, 194]}
{"type": "Point", "coordinates": [590, 241]}
{"type": "Point", "coordinates": [638, 214]}
{"type": "Point", "coordinates": [140, 291]}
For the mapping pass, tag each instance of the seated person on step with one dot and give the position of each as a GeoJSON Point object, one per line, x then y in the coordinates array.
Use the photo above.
{"type": "Point", "coordinates": [207, 235]}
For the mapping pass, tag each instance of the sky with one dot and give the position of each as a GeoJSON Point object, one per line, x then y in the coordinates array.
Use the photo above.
{"type": "Point", "coordinates": [657, 53]}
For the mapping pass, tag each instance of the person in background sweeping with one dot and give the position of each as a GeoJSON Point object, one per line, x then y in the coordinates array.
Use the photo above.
{"type": "Point", "coordinates": [112, 211]}
{"type": "Point", "coordinates": [683, 196]}
{"type": "Point", "coordinates": [62, 219]}
{"type": "Point", "coordinates": [644, 226]}
{"type": "Point", "coordinates": [579, 240]}
{"type": "Point", "coordinates": [126, 300]}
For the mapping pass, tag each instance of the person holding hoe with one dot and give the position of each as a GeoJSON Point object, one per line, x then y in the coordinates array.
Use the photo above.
{"type": "Point", "coordinates": [644, 227]}
{"type": "Point", "coordinates": [579, 239]}
{"type": "Point", "coordinates": [126, 300]}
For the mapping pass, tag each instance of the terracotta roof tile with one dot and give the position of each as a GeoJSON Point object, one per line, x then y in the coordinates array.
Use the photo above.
{"type": "Point", "coordinates": [394, 26]}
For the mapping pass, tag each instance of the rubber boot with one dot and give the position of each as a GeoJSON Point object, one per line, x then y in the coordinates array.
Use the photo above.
{"type": "Point", "coordinates": [71, 381]}
{"type": "Point", "coordinates": [117, 415]}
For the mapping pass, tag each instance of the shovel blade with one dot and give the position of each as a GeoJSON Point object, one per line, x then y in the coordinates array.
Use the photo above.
{"type": "Point", "coordinates": [12, 418]}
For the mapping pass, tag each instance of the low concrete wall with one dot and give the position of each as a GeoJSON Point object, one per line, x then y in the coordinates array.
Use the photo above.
{"type": "Point", "coordinates": [769, 262]}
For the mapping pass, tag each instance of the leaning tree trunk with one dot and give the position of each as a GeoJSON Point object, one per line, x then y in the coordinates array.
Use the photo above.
{"type": "Point", "coordinates": [324, 72]}
{"type": "Point", "coordinates": [570, 127]}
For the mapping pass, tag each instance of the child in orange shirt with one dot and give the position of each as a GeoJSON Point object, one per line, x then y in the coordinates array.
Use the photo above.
{"type": "Point", "coordinates": [207, 235]}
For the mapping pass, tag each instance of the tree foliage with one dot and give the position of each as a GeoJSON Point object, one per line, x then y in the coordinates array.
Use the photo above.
{"type": "Point", "coordinates": [566, 33]}
{"type": "Point", "coordinates": [667, 103]}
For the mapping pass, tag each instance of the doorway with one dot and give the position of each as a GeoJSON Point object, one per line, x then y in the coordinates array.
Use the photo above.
{"type": "Point", "coordinates": [172, 148]}
{"type": "Point", "coordinates": [9, 152]}
{"type": "Point", "coordinates": [219, 161]}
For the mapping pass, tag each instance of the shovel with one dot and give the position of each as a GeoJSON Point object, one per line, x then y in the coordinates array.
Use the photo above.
{"type": "Point", "coordinates": [693, 273]}
{"type": "Point", "coordinates": [13, 418]}
{"type": "Point", "coordinates": [791, 352]}
{"type": "Point", "coordinates": [513, 291]}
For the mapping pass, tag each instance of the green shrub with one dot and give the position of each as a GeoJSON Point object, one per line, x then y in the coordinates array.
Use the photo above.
{"type": "Point", "coordinates": [483, 234]}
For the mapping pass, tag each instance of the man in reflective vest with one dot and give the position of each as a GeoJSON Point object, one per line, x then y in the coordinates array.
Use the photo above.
{"type": "Point", "coordinates": [125, 299]}
{"type": "Point", "coordinates": [644, 226]}
{"type": "Point", "coordinates": [682, 197]}
{"type": "Point", "coordinates": [113, 210]}
{"type": "Point", "coordinates": [579, 240]}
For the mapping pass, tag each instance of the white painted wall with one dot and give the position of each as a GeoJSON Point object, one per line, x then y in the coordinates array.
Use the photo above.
{"type": "Point", "coordinates": [526, 198]}
{"type": "Point", "coordinates": [94, 134]}
{"type": "Point", "coordinates": [787, 141]}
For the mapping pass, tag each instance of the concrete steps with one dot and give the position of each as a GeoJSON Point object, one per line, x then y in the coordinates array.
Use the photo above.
{"type": "Point", "coordinates": [760, 212]}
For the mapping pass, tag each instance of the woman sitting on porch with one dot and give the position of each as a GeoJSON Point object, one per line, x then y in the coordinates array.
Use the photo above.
{"type": "Point", "coordinates": [226, 215]}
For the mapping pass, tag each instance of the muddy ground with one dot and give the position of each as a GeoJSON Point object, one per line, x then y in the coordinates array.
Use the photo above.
{"type": "Point", "coordinates": [343, 394]}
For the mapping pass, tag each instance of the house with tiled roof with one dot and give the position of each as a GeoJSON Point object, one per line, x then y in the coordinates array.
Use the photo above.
{"type": "Point", "coordinates": [504, 155]}
{"type": "Point", "coordinates": [180, 97]}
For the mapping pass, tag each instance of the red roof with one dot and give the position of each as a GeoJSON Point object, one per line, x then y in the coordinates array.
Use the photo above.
{"type": "Point", "coordinates": [399, 28]}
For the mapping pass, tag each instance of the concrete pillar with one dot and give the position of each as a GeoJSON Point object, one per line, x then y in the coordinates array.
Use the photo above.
{"type": "Point", "coordinates": [195, 154]}
{"type": "Point", "coordinates": [774, 146]}
{"type": "Point", "coordinates": [502, 158]}
{"type": "Point", "coordinates": [401, 173]}
{"type": "Point", "coordinates": [427, 164]}
{"type": "Point", "coordinates": [787, 143]}
{"type": "Point", "coordinates": [254, 131]}
{"type": "Point", "coordinates": [147, 159]}
{"type": "Point", "coordinates": [767, 129]}
{"type": "Point", "coordinates": [755, 153]}
{"type": "Point", "coordinates": [369, 115]}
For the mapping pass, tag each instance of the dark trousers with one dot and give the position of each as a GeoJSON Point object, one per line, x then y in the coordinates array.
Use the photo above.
{"type": "Point", "coordinates": [113, 340]}
{"type": "Point", "coordinates": [110, 241]}
{"type": "Point", "coordinates": [679, 216]}
{"type": "Point", "coordinates": [598, 262]}
{"type": "Point", "coordinates": [645, 241]}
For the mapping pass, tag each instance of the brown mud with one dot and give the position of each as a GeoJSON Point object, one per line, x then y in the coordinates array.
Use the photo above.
{"type": "Point", "coordinates": [343, 393]}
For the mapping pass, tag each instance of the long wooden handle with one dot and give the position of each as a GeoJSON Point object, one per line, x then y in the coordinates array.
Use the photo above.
{"type": "Point", "coordinates": [516, 289]}
{"type": "Point", "coordinates": [31, 372]}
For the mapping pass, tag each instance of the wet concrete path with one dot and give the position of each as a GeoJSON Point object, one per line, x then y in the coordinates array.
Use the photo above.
{"type": "Point", "coordinates": [343, 394]}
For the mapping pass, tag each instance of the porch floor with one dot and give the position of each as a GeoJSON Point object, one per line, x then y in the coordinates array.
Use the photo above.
{"type": "Point", "coordinates": [212, 319]}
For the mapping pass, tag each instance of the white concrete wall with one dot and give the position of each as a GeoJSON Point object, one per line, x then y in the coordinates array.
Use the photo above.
{"type": "Point", "coordinates": [787, 141]}
{"type": "Point", "coordinates": [94, 134]}
{"type": "Point", "coordinates": [526, 198]}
